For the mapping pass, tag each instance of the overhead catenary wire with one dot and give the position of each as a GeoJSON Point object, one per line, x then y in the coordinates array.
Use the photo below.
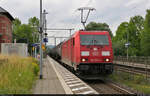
{"type": "Point", "coordinates": [74, 19]}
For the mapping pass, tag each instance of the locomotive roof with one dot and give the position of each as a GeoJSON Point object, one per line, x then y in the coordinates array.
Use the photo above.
{"type": "Point", "coordinates": [84, 31]}
{"type": "Point", "coordinates": [92, 31]}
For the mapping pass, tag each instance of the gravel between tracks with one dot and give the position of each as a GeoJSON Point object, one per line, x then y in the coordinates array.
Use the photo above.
{"type": "Point", "coordinates": [105, 87]}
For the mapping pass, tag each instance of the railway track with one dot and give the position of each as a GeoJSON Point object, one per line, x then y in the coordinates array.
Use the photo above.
{"type": "Point", "coordinates": [142, 67]}
{"type": "Point", "coordinates": [75, 85]}
{"type": "Point", "coordinates": [102, 87]}
{"type": "Point", "coordinates": [107, 87]}
{"type": "Point", "coordinates": [133, 70]}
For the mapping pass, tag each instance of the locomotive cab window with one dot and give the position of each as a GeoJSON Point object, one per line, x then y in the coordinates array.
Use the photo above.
{"type": "Point", "coordinates": [94, 40]}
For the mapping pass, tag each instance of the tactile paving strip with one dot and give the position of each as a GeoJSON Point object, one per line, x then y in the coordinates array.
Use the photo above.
{"type": "Point", "coordinates": [76, 85]}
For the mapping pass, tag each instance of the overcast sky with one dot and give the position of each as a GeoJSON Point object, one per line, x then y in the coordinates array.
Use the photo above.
{"type": "Point", "coordinates": [64, 14]}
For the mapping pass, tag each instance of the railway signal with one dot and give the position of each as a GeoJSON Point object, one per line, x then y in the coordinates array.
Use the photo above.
{"type": "Point", "coordinates": [127, 45]}
{"type": "Point", "coordinates": [43, 47]}
{"type": "Point", "coordinates": [45, 40]}
{"type": "Point", "coordinates": [33, 48]}
{"type": "Point", "coordinates": [45, 26]}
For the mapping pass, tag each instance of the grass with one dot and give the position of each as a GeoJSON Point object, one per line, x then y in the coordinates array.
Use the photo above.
{"type": "Point", "coordinates": [17, 74]}
{"type": "Point", "coordinates": [137, 82]}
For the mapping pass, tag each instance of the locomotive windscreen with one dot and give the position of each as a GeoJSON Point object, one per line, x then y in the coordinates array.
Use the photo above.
{"type": "Point", "coordinates": [94, 40]}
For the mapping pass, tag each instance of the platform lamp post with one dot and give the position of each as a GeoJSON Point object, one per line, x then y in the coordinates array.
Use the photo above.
{"type": "Point", "coordinates": [41, 40]}
{"type": "Point", "coordinates": [127, 44]}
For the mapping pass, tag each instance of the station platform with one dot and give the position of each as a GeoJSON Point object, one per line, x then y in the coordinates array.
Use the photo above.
{"type": "Point", "coordinates": [58, 80]}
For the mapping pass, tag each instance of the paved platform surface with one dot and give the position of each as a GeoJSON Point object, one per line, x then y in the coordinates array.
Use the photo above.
{"type": "Point", "coordinates": [50, 84]}
{"type": "Point", "coordinates": [58, 80]}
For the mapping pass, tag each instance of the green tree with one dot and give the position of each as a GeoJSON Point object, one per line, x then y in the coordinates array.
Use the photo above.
{"type": "Point", "coordinates": [145, 36]}
{"type": "Point", "coordinates": [16, 24]}
{"type": "Point", "coordinates": [120, 39]}
{"type": "Point", "coordinates": [135, 28]}
{"type": "Point", "coordinates": [121, 33]}
{"type": "Point", "coordinates": [26, 33]}
{"type": "Point", "coordinates": [98, 26]}
{"type": "Point", "coordinates": [23, 31]}
{"type": "Point", "coordinates": [34, 23]}
{"type": "Point", "coordinates": [129, 32]}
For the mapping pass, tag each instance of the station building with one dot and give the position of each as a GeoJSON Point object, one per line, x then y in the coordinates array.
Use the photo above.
{"type": "Point", "coordinates": [5, 27]}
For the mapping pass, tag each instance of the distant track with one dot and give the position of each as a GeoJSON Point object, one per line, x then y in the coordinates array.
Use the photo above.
{"type": "Point", "coordinates": [133, 70]}
{"type": "Point", "coordinates": [104, 87]}
{"type": "Point", "coordinates": [107, 87]}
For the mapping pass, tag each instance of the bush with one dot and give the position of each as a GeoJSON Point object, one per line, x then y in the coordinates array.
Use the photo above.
{"type": "Point", "coordinates": [36, 68]}
{"type": "Point", "coordinates": [17, 75]}
{"type": "Point", "coordinates": [137, 82]}
{"type": "Point", "coordinates": [140, 79]}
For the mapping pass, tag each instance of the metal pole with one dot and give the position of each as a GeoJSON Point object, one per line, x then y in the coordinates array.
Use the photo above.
{"type": "Point", "coordinates": [87, 16]}
{"type": "Point", "coordinates": [33, 37]}
{"type": "Point", "coordinates": [81, 15]}
{"type": "Point", "coordinates": [70, 31]}
{"type": "Point", "coordinates": [146, 67]}
{"type": "Point", "coordinates": [127, 43]}
{"type": "Point", "coordinates": [45, 30]}
{"type": "Point", "coordinates": [82, 21]}
{"type": "Point", "coordinates": [127, 54]}
{"type": "Point", "coordinates": [45, 24]}
{"type": "Point", "coordinates": [41, 31]}
{"type": "Point", "coordinates": [31, 51]}
{"type": "Point", "coordinates": [55, 41]}
{"type": "Point", "coordinates": [35, 52]}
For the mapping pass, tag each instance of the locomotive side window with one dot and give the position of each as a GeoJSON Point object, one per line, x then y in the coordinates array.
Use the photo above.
{"type": "Point", "coordinates": [73, 42]}
{"type": "Point", "coordinates": [94, 40]}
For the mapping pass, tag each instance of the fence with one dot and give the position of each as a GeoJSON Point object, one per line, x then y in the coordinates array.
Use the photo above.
{"type": "Point", "coordinates": [136, 61]}
{"type": "Point", "coordinates": [133, 59]}
{"type": "Point", "coordinates": [20, 49]}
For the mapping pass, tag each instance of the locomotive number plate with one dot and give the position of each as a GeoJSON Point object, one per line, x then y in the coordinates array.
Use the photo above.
{"type": "Point", "coordinates": [95, 53]}
{"type": "Point", "coordinates": [96, 60]}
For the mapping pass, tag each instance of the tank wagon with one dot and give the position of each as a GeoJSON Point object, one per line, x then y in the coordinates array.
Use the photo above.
{"type": "Point", "coordinates": [56, 52]}
{"type": "Point", "coordinates": [87, 52]}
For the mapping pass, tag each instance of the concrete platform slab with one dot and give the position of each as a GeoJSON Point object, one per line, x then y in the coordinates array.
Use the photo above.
{"type": "Point", "coordinates": [58, 80]}
{"type": "Point", "coordinates": [50, 84]}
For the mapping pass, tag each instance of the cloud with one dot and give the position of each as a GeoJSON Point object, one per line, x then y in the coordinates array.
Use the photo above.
{"type": "Point", "coordinates": [133, 2]}
{"type": "Point", "coordinates": [63, 14]}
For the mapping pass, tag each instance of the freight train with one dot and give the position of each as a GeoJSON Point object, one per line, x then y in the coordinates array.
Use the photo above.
{"type": "Point", "coordinates": [88, 53]}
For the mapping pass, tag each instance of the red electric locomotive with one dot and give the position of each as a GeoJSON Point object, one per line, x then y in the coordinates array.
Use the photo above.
{"type": "Point", "coordinates": [88, 53]}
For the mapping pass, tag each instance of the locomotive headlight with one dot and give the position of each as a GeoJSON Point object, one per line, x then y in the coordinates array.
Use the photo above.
{"type": "Point", "coordinates": [85, 53]}
{"type": "Point", "coordinates": [105, 53]}
{"type": "Point", "coordinates": [107, 60]}
{"type": "Point", "coordinates": [83, 60]}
